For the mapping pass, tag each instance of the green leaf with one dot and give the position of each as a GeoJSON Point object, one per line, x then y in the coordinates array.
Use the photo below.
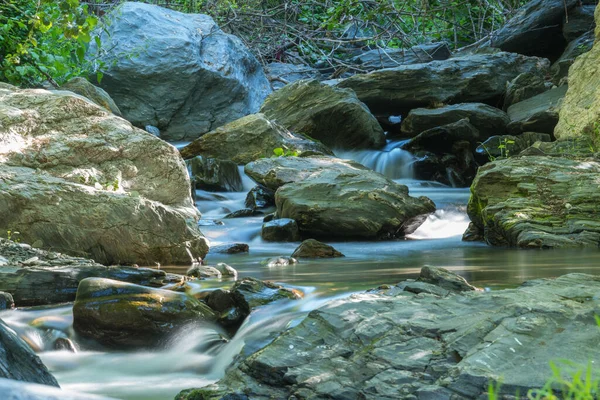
{"type": "Point", "coordinates": [278, 151]}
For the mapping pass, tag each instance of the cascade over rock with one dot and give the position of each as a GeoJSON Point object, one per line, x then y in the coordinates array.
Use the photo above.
{"type": "Point", "coordinates": [470, 78]}
{"type": "Point", "coordinates": [178, 72]}
{"type": "Point", "coordinates": [79, 180]}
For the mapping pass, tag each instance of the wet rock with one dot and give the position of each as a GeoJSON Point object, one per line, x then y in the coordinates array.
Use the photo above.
{"type": "Point", "coordinates": [560, 69]}
{"type": "Point", "coordinates": [64, 344]}
{"type": "Point", "coordinates": [328, 197]}
{"type": "Point", "coordinates": [214, 175]}
{"type": "Point", "coordinates": [471, 78]}
{"type": "Point", "coordinates": [509, 145]}
{"type": "Point", "coordinates": [579, 21]}
{"type": "Point", "coordinates": [486, 119]}
{"type": "Point", "coordinates": [472, 234]}
{"type": "Point", "coordinates": [225, 304]}
{"type": "Point", "coordinates": [535, 29]}
{"type": "Point", "coordinates": [537, 202]}
{"type": "Point", "coordinates": [440, 139]}
{"type": "Point", "coordinates": [119, 314]}
{"type": "Point", "coordinates": [524, 87]}
{"type": "Point", "coordinates": [280, 230]}
{"type": "Point", "coordinates": [243, 213]}
{"type": "Point", "coordinates": [260, 197]}
{"type": "Point", "coordinates": [281, 74]}
{"type": "Point", "coordinates": [312, 248]}
{"type": "Point", "coordinates": [226, 270]}
{"type": "Point", "coordinates": [445, 279]}
{"type": "Point", "coordinates": [247, 139]}
{"type": "Point", "coordinates": [270, 217]}
{"type": "Point", "coordinates": [71, 173]}
{"type": "Point", "coordinates": [83, 87]}
{"type": "Point", "coordinates": [18, 362]}
{"type": "Point", "coordinates": [251, 293]}
{"type": "Point", "coordinates": [201, 77]}
{"type": "Point", "coordinates": [279, 261]}
{"type": "Point", "coordinates": [388, 58]}
{"type": "Point", "coordinates": [204, 271]}
{"type": "Point", "coordinates": [580, 110]}
{"type": "Point", "coordinates": [55, 278]}
{"type": "Point", "coordinates": [6, 301]}
{"type": "Point", "coordinates": [538, 113]}
{"type": "Point", "coordinates": [230, 248]}
{"type": "Point", "coordinates": [400, 344]}
{"type": "Point", "coordinates": [331, 115]}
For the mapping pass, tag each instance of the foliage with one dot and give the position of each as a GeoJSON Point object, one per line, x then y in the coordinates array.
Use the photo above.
{"type": "Point", "coordinates": [43, 40]}
{"type": "Point", "coordinates": [280, 152]}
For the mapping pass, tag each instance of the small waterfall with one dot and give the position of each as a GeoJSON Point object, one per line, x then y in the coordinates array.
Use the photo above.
{"type": "Point", "coordinates": [391, 161]}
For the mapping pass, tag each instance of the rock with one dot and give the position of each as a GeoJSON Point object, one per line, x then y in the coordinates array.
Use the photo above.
{"type": "Point", "coordinates": [537, 202]}
{"type": "Point", "coordinates": [486, 119]}
{"type": "Point", "coordinates": [273, 173]}
{"type": "Point", "coordinates": [279, 261]}
{"type": "Point", "coordinates": [153, 130]}
{"type": "Point", "coordinates": [578, 21]}
{"type": "Point", "coordinates": [17, 390]}
{"type": "Point", "coordinates": [331, 115]}
{"type": "Point", "coordinates": [535, 29]}
{"type": "Point", "coordinates": [71, 173]}
{"type": "Point", "coordinates": [260, 197]}
{"type": "Point", "coordinates": [580, 110]}
{"type": "Point", "coordinates": [508, 145]}
{"type": "Point", "coordinates": [230, 314]}
{"type": "Point", "coordinates": [281, 74]}
{"type": "Point", "coordinates": [64, 344]}
{"type": "Point", "coordinates": [251, 293]}
{"type": "Point", "coordinates": [227, 270]}
{"type": "Point", "coordinates": [18, 362]}
{"type": "Point", "coordinates": [204, 271]}
{"type": "Point", "coordinates": [445, 279]}
{"type": "Point", "coordinates": [472, 234]}
{"type": "Point", "coordinates": [83, 87]}
{"type": "Point", "coordinates": [441, 138]}
{"type": "Point", "coordinates": [247, 139]}
{"type": "Point", "coordinates": [388, 58]}
{"type": "Point", "coordinates": [6, 301]}
{"type": "Point", "coordinates": [243, 213]}
{"type": "Point", "coordinates": [178, 72]}
{"type": "Point", "coordinates": [471, 78]}
{"type": "Point", "coordinates": [119, 314]}
{"type": "Point", "coordinates": [395, 344]}
{"type": "Point", "coordinates": [230, 248]}
{"type": "Point", "coordinates": [56, 276]}
{"type": "Point", "coordinates": [214, 175]}
{"type": "Point", "coordinates": [280, 230]}
{"type": "Point", "coordinates": [524, 87]}
{"type": "Point", "coordinates": [560, 69]}
{"type": "Point", "coordinates": [311, 248]}
{"type": "Point", "coordinates": [538, 113]}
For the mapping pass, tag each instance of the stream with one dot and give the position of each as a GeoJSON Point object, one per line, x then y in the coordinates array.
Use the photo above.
{"type": "Point", "coordinates": [195, 358]}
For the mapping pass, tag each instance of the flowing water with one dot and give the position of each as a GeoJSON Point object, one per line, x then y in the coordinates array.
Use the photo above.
{"type": "Point", "coordinates": [197, 357]}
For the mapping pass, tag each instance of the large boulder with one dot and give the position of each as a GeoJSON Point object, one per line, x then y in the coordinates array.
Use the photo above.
{"type": "Point", "coordinates": [388, 58]}
{"type": "Point", "coordinates": [580, 111]}
{"type": "Point", "coordinates": [538, 113]}
{"type": "Point", "coordinates": [331, 115]}
{"type": "Point", "coordinates": [178, 72]}
{"type": "Point", "coordinates": [433, 344]}
{"type": "Point", "coordinates": [79, 180]}
{"type": "Point", "coordinates": [120, 314]}
{"type": "Point", "coordinates": [486, 119]}
{"type": "Point", "coordinates": [19, 362]}
{"type": "Point", "coordinates": [248, 139]}
{"type": "Point", "coordinates": [537, 202]}
{"type": "Point", "coordinates": [535, 29]}
{"type": "Point", "coordinates": [471, 78]}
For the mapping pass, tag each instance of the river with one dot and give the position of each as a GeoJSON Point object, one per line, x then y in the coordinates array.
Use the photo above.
{"type": "Point", "coordinates": [198, 357]}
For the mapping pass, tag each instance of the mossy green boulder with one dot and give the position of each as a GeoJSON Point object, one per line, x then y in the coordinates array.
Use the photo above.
{"type": "Point", "coordinates": [84, 88]}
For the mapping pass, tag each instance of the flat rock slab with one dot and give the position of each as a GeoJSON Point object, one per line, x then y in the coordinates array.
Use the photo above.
{"type": "Point", "coordinates": [538, 113]}
{"type": "Point", "coordinates": [392, 343]}
{"type": "Point", "coordinates": [537, 202]}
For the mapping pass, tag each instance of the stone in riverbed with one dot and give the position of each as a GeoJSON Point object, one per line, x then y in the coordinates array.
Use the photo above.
{"type": "Point", "coordinates": [440, 139]}
{"type": "Point", "coordinates": [311, 248]}
{"type": "Point", "coordinates": [119, 314]}
{"type": "Point", "coordinates": [176, 71]}
{"type": "Point", "coordinates": [281, 261]}
{"type": "Point", "coordinates": [537, 202]}
{"type": "Point", "coordinates": [214, 175]}
{"type": "Point", "coordinates": [6, 301]}
{"type": "Point", "coordinates": [445, 279]}
{"type": "Point", "coordinates": [248, 139]}
{"type": "Point", "coordinates": [251, 293]}
{"type": "Point", "coordinates": [71, 173]}
{"type": "Point", "coordinates": [260, 197]}
{"type": "Point", "coordinates": [538, 113]}
{"type": "Point", "coordinates": [560, 68]}
{"type": "Point", "coordinates": [399, 344]}
{"type": "Point", "coordinates": [204, 272]}
{"type": "Point", "coordinates": [472, 78]}
{"type": "Point", "coordinates": [333, 116]}
{"type": "Point", "coordinates": [230, 248]}
{"type": "Point", "coordinates": [524, 87]}
{"type": "Point", "coordinates": [280, 230]}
